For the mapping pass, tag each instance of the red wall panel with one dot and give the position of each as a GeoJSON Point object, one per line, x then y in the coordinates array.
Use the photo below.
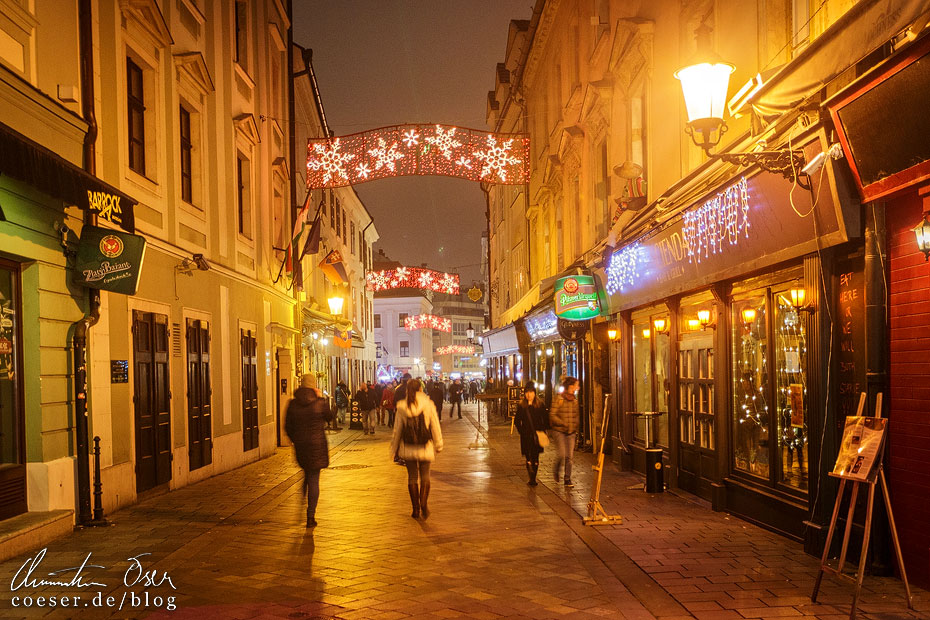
{"type": "Point", "coordinates": [909, 438]}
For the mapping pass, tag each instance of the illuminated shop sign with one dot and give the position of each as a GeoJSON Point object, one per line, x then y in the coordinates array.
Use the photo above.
{"type": "Point", "coordinates": [576, 298]}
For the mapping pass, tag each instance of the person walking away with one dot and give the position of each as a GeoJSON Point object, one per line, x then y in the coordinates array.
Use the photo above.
{"type": "Point", "coordinates": [377, 391]}
{"type": "Point", "coordinates": [435, 395]}
{"type": "Point", "coordinates": [455, 397]}
{"type": "Point", "coordinates": [563, 419]}
{"type": "Point", "coordinates": [305, 419]}
{"type": "Point", "coordinates": [417, 439]}
{"type": "Point", "coordinates": [387, 403]}
{"type": "Point", "coordinates": [473, 391]}
{"type": "Point", "coordinates": [342, 401]}
{"type": "Point", "coordinates": [362, 397]}
{"type": "Point", "coordinates": [532, 418]}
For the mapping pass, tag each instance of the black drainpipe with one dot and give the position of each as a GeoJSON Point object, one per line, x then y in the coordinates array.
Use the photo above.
{"type": "Point", "coordinates": [82, 327]}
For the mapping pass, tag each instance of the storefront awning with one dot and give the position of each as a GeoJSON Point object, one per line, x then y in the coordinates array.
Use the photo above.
{"type": "Point", "coordinates": [32, 163]}
{"type": "Point", "coordinates": [500, 341]}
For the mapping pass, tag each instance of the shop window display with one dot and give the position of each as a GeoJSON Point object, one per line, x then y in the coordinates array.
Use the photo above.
{"type": "Point", "coordinates": [750, 387]}
{"type": "Point", "coordinates": [791, 391]}
{"type": "Point", "coordinates": [651, 351]}
{"type": "Point", "coordinates": [642, 376]}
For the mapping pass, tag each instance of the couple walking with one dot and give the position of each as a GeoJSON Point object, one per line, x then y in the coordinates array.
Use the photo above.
{"type": "Point", "coordinates": [533, 420]}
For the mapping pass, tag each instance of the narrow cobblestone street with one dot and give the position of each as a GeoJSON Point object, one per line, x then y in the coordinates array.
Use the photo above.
{"type": "Point", "coordinates": [235, 546]}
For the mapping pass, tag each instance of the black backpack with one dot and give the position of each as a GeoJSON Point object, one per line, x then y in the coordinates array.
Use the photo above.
{"type": "Point", "coordinates": [415, 431]}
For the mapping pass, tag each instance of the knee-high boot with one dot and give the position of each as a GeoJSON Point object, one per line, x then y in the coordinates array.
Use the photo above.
{"type": "Point", "coordinates": [534, 468]}
{"type": "Point", "coordinates": [424, 495]}
{"type": "Point", "coordinates": [414, 499]}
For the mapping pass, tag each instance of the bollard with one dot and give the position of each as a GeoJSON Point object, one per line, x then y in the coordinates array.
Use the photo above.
{"type": "Point", "coordinates": [98, 488]}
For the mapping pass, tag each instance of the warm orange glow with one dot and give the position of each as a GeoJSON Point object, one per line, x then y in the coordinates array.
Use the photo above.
{"type": "Point", "coordinates": [705, 89]}
{"type": "Point", "coordinates": [612, 334]}
{"type": "Point", "coordinates": [694, 324]}
{"type": "Point", "coordinates": [797, 297]}
{"type": "Point", "coordinates": [646, 332]}
{"type": "Point", "coordinates": [704, 317]}
{"type": "Point", "coordinates": [661, 325]}
{"type": "Point", "coordinates": [749, 315]}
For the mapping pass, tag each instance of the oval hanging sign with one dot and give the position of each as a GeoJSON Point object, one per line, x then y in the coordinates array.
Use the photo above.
{"type": "Point", "coordinates": [576, 298]}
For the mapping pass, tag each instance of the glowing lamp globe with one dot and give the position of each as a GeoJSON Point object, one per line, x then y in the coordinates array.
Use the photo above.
{"type": "Point", "coordinates": [798, 295]}
{"type": "Point", "coordinates": [612, 334]}
{"type": "Point", "coordinates": [335, 305]}
{"type": "Point", "coordinates": [922, 231]}
{"type": "Point", "coordinates": [704, 86]}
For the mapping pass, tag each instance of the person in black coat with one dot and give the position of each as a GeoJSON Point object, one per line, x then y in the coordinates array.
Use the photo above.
{"type": "Point", "coordinates": [455, 397]}
{"type": "Point", "coordinates": [531, 416]}
{"type": "Point", "coordinates": [306, 417]}
{"type": "Point", "coordinates": [436, 395]}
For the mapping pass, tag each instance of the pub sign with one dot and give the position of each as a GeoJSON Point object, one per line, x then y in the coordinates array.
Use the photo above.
{"type": "Point", "coordinates": [576, 298]}
{"type": "Point", "coordinates": [109, 260]}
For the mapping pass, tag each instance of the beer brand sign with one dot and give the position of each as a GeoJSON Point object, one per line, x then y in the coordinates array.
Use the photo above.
{"type": "Point", "coordinates": [109, 260]}
{"type": "Point", "coordinates": [576, 298]}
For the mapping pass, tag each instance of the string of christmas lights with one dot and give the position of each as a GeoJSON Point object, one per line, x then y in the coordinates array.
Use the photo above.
{"type": "Point", "coordinates": [719, 221]}
{"type": "Point", "coordinates": [413, 277]}
{"type": "Point", "coordinates": [457, 349]}
{"type": "Point", "coordinates": [623, 267]}
{"type": "Point", "coordinates": [424, 149]}
{"type": "Point", "coordinates": [427, 321]}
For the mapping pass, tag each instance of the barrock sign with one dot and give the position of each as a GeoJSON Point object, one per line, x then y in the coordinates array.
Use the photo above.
{"type": "Point", "coordinates": [418, 150]}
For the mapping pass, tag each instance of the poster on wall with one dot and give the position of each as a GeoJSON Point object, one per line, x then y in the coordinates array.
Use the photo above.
{"type": "Point", "coordinates": [796, 401]}
{"type": "Point", "coordinates": [861, 447]}
{"type": "Point", "coordinates": [109, 260]}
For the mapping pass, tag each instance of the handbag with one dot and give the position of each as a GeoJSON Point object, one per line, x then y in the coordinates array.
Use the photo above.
{"type": "Point", "coordinates": [542, 439]}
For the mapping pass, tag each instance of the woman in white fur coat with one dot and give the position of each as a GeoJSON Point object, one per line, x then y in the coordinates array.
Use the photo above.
{"type": "Point", "coordinates": [417, 439]}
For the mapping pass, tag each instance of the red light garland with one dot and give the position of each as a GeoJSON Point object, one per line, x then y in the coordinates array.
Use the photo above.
{"type": "Point", "coordinates": [413, 277]}
{"type": "Point", "coordinates": [427, 321]}
{"type": "Point", "coordinates": [461, 349]}
{"type": "Point", "coordinates": [407, 150]}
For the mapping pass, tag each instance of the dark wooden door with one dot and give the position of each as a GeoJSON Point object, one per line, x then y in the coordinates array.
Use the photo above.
{"type": "Point", "coordinates": [199, 394]}
{"type": "Point", "coordinates": [12, 438]}
{"type": "Point", "coordinates": [697, 443]}
{"type": "Point", "coordinates": [249, 347]}
{"type": "Point", "coordinates": [151, 399]}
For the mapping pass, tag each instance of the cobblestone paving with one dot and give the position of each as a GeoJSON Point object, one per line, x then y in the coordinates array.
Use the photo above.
{"type": "Point", "coordinates": [235, 546]}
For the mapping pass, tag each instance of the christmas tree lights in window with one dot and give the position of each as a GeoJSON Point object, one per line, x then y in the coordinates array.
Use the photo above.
{"type": "Point", "coordinates": [425, 149]}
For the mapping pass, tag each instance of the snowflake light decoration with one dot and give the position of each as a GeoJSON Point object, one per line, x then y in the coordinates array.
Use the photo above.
{"type": "Point", "coordinates": [497, 158]}
{"type": "Point", "coordinates": [459, 349]}
{"type": "Point", "coordinates": [444, 140]}
{"type": "Point", "coordinates": [385, 155]}
{"type": "Point", "coordinates": [330, 161]}
{"type": "Point", "coordinates": [427, 321]}
{"type": "Point", "coordinates": [623, 267]}
{"type": "Point", "coordinates": [718, 223]}
{"type": "Point", "coordinates": [411, 138]}
{"type": "Point", "coordinates": [418, 150]}
{"type": "Point", "coordinates": [413, 277]}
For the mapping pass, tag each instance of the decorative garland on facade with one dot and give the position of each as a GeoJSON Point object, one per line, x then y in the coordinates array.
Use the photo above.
{"type": "Point", "coordinates": [424, 149]}
{"type": "Point", "coordinates": [427, 321]}
{"type": "Point", "coordinates": [458, 349]}
{"type": "Point", "coordinates": [413, 277]}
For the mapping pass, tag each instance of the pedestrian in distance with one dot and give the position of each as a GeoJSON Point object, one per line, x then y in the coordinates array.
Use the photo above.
{"type": "Point", "coordinates": [387, 403]}
{"type": "Point", "coordinates": [435, 395]}
{"type": "Point", "coordinates": [342, 401]}
{"type": "Point", "coordinates": [365, 407]}
{"type": "Point", "coordinates": [455, 397]}
{"type": "Point", "coordinates": [532, 419]}
{"type": "Point", "coordinates": [417, 439]}
{"type": "Point", "coordinates": [473, 391]}
{"type": "Point", "coordinates": [305, 419]}
{"type": "Point", "coordinates": [377, 391]}
{"type": "Point", "coordinates": [563, 420]}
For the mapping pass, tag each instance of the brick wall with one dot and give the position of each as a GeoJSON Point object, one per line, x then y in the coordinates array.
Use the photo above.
{"type": "Point", "coordinates": [909, 439]}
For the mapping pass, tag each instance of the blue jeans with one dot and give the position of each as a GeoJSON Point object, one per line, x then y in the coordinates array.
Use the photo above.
{"type": "Point", "coordinates": [342, 414]}
{"type": "Point", "coordinates": [565, 444]}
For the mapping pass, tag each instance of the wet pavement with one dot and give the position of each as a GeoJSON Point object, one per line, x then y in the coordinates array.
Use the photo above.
{"type": "Point", "coordinates": [235, 546]}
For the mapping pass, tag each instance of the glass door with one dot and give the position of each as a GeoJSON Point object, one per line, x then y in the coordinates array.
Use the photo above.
{"type": "Point", "coordinates": [697, 442]}
{"type": "Point", "coordinates": [12, 443]}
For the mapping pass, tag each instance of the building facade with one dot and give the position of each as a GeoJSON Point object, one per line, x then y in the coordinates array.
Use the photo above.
{"type": "Point", "coordinates": [399, 350]}
{"type": "Point", "coordinates": [733, 283]}
{"type": "Point", "coordinates": [464, 314]}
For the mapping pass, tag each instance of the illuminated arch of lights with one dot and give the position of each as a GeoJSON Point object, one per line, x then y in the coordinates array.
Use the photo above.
{"type": "Point", "coordinates": [423, 149]}
{"type": "Point", "coordinates": [427, 321]}
{"type": "Point", "coordinates": [413, 277]}
{"type": "Point", "coordinates": [456, 349]}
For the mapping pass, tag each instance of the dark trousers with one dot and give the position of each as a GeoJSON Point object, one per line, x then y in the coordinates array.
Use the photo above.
{"type": "Point", "coordinates": [455, 403]}
{"type": "Point", "coordinates": [312, 489]}
{"type": "Point", "coordinates": [391, 413]}
{"type": "Point", "coordinates": [417, 467]}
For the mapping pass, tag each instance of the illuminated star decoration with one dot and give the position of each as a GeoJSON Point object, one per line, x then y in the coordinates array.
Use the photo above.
{"type": "Point", "coordinates": [418, 150]}
{"type": "Point", "coordinates": [623, 268]}
{"type": "Point", "coordinates": [497, 158]}
{"type": "Point", "coordinates": [413, 277]}
{"type": "Point", "coordinates": [330, 161]}
{"type": "Point", "coordinates": [444, 141]}
{"type": "Point", "coordinates": [385, 156]}
{"type": "Point", "coordinates": [427, 321]}
{"type": "Point", "coordinates": [461, 349]}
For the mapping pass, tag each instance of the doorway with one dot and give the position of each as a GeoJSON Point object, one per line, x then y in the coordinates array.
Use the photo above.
{"type": "Point", "coordinates": [151, 399]}
{"type": "Point", "coordinates": [199, 395]}
{"type": "Point", "coordinates": [249, 347]}
{"type": "Point", "coordinates": [12, 439]}
{"type": "Point", "coordinates": [697, 443]}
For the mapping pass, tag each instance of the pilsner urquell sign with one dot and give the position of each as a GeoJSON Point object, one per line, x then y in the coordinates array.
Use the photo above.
{"type": "Point", "coordinates": [110, 260]}
{"type": "Point", "coordinates": [576, 298]}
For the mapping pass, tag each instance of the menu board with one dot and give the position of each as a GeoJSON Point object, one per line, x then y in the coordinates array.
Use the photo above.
{"type": "Point", "coordinates": [861, 447]}
{"type": "Point", "coordinates": [850, 354]}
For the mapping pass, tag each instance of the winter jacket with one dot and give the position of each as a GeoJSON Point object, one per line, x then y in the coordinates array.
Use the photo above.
{"type": "Point", "coordinates": [528, 420]}
{"type": "Point", "coordinates": [564, 415]}
{"type": "Point", "coordinates": [435, 395]}
{"type": "Point", "coordinates": [412, 452]}
{"type": "Point", "coordinates": [387, 397]}
{"type": "Point", "coordinates": [455, 392]}
{"type": "Point", "coordinates": [342, 397]}
{"type": "Point", "coordinates": [400, 392]}
{"type": "Point", "coordinates": [363, 397]}
{"type": "Point", "coordinates": [305, 419]}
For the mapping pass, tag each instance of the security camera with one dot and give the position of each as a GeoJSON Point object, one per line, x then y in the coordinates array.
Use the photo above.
{"type": "Point", "coordinates": [201, 262]}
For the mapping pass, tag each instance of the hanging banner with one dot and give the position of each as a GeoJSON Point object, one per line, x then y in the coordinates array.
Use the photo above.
{"type": "Point", "coordinates": [109, 260]}
{"type": "Point", "coordinates": [413, 277]}
{"type": "Point", "coordinates": [456, 349]}
{"type": "Point", "coordinates": [418, 150]}
{"type": "Point", "coordinates": [427, 321]}
{"type": "Point", "coordinates": [576, 298]}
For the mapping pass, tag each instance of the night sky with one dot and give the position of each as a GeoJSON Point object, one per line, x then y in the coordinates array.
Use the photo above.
{"type": "Point", "coordinates": [385, 62]}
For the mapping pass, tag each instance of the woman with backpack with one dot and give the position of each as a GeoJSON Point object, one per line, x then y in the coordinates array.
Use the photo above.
{"type": "Point", "coordinates": [417, 439]}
